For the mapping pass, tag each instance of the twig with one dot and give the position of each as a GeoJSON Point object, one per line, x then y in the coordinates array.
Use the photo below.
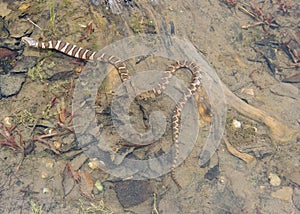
{"type": "Point", "coordinates": [28, 19]}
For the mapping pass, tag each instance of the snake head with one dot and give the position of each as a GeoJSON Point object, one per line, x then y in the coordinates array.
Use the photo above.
{"type": "Point", "coordinates": [29, 41]}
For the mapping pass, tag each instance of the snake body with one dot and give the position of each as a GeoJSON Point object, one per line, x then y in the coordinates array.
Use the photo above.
{"type": "Point", "coordinates": [82, 53]}
{"type": "Point", "coordinates": [192, 88]}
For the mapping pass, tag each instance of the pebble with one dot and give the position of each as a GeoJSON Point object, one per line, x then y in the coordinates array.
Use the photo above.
{"type": "Point", "coordinates": [248, 91]}
{"type": "Point", "coordinates": [213, 173]}
{"type": "Point", "coordinates": [44, 175]}
{"type": "Point", "coordinates": [46, 190]}
{"type": "Point", "coordinates": [94, 164]}
{"type": "Point", "coordinates": [284, 194]}
{"type": "Point", "coordinates": [7, 122]}
{"type": "Point", "coordinates": [236, 124]}
{"type": "Point", "coordinates": [57, 145]}
{"type": "Point", "coordinates": [274, 180]}
{"type": "Point", "coordinates": [131, 193]}
{"type": "Point", "coordinates": [99, 186]}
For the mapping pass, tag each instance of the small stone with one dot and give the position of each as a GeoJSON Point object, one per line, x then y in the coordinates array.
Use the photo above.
{"type": "Point", "coordinates": [57, 145]}
{"type": "Point", "coordinates": [222, 179]}
{"type": "Point", "coordinates": [24, 7]}
{"type": "Point", "coordinates": [46, 190]}
{"type": "Point", "coordinates": [131, 193]}
{"type": "Point", "coordinates": [44, 175]}
{"type": "Point", "coordinates": [248, 91]}
{"type": "Point", "coordinates": [284, 194]}
{"type": "Point", "coordinates": [236, 124]}
{"type": "Point", "coordinates": [94, 164]}
{"type": "Point", "coordinates": [7, 122]}
{"type": "Point", "coordinates": [99, 186]}
{"type": "Point", "coordinates": [274, 180]}
{"type": "Point", "coordinates": [262, 187]}
{"type": "Point", "coordinates": [212, 173]}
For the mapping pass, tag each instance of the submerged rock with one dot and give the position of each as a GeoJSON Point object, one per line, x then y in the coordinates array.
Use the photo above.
{"type": "Point", "coordinates": [132, 193]}
{"type": "Point", "coordinates": [11, 84]}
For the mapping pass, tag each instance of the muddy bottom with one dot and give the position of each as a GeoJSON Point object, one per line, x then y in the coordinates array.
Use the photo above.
{"type": "Point", "coordinates": [75, 139]}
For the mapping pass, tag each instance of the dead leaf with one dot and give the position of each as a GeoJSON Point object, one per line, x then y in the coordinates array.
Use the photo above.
{"type": "Point", "coordinates": [70, 178]}
{"type": "Point", "coordinates": [86, 184]}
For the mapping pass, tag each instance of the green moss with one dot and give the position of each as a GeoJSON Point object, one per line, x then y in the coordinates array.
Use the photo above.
{"type": "Point", "coordinates": [135, 23]}
{"type": "Point", "coordinates": [93, 208]}
{"type": "Point", "coordinates": [25, 118]}
{"type": "Point", "coordinates": [141, 24]}
{"type": "Point", "coordinates": [35, 208]}
{"type": "Point", "coordinates": [36, 72]}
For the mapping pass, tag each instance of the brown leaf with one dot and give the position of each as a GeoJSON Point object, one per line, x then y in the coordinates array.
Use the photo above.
{"type": "Point", "coordinates": [86, 184]}
{"type": "Point", "coordinates": [70, 178]}
{"type": "Point", "coordinates": [5, 52]}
